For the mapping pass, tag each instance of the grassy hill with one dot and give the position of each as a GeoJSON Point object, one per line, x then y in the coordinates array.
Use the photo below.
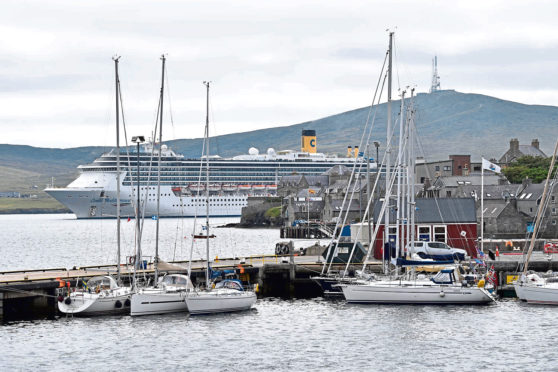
{"type": "Point", "coordinates": [448, 122]}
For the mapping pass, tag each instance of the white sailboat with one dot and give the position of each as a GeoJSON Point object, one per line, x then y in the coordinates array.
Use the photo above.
{"type": "Point", "coordinates": [228, 295]}
{"type": "Point", "coordinates": [447, 287]}
{"type": "Point", "coordinates": [532, 288]}
{"type": "Point", "coordinates": [167, 295]}
{"type": "Point", "coordinates": [102, 294]}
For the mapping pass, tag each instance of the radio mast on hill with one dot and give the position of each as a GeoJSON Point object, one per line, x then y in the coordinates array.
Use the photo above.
{"type": "Point", "coordinates": [435, 77]}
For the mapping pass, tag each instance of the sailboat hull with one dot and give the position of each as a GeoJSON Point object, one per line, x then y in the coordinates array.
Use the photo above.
{"type": "Point", "coordinates": [220, 302]}
{"type": "Point", "coordinates": [415, 294]}
{"type": "Point", "coordinates": [150, 302]}
{"type": "Point", "coordinates": [92, 304]}
{"type": "Point", "coordinates": [546, 294]}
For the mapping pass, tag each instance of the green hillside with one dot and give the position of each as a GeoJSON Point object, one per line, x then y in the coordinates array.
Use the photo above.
{"type": "Point", "coordinates": [448, 122]}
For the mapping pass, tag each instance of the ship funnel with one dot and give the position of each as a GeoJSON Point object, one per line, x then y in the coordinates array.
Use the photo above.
{"type": "Point", "coordinates": [309, 141]}
{"type": "Point", "coordinates": [349, 152]}
{"type": "Point", "coordinates": [356, 151]}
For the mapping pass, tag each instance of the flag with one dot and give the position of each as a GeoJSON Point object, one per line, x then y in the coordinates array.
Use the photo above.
{"type": "Point", "coordinates": [490, 166]}
{"type": "Point", "coordinates": [491, 275]}
{"type": "Point", "coordinates": [311, 191]}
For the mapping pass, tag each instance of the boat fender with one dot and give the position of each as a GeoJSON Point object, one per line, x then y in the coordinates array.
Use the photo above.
{"type": "Point", "coordinates": [481, 283]}
{"type": "Point", "coordinates": [127, 302]}
{"type": "Point", "coordinates": [68, 300]}
{"type": "Point", "coordinates": [118, 304]}
{"type": "Point", "coordinates": [60, 298]}
{"type": "Point", "coordinates": [442, 294]}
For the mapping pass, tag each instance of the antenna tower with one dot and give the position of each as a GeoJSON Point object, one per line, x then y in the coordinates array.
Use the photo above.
{"type": "Point", "coordinates": [435, 77]}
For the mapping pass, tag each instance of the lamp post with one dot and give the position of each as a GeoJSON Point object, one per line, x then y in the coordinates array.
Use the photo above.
{"type": "Point", "coordinates": [377, 145]}
{"type": "Point", "coordinates": [138, 140]}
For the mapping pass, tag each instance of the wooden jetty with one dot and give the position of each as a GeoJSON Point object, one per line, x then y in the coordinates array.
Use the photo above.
{"type": "Point", "coordinates": [33, 294]}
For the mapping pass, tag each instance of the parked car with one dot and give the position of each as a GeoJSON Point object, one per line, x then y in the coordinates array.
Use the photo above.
{"type": "Point", "coordinates": [436, 251]}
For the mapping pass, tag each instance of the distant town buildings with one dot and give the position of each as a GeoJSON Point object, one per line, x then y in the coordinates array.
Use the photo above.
{"type": "Point", "coordinates": [516, 151]}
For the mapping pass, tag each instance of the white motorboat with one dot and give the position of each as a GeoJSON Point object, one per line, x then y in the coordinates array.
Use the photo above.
{"type": "Point", "coordinates": [444, 288]}
{"type": "Point", "coordinates": [227, 296]}
{"type": "Point", "coordinates": [100, 296]}
{"type": "Point", "coordinates": [167, 297]}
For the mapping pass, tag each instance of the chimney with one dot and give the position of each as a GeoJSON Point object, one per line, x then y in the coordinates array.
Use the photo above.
{"type": "Point", "coordinates": [535, 143]}
{"type": "Point", "coordinates": [514, 144]}
{"type": "Point", "coordinates": [349, 152]}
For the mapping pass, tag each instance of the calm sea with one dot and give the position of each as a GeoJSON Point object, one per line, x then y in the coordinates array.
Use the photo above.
{"type": "Point", "coordinates": [281, 335]}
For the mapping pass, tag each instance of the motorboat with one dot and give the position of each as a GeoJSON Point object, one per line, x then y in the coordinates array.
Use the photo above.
{"type": "Point", "coordinates": [167, 297]}
{"type": "Point", "coordinates": [100, 295]}
{"type": "Point", "coordinates": [227, 296]}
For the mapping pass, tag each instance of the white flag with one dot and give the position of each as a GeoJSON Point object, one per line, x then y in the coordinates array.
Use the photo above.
{"type": "Point", "coordinates": [490, 166]}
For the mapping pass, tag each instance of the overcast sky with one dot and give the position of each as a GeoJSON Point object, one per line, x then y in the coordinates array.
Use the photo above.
{"type": "Point", "coordinates": [272, 63]}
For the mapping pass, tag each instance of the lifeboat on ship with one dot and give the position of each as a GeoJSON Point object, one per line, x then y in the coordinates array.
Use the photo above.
{"type": "Point", "coordinates": [229, 187]}
{"type": "Point", "coordinates": [215, 187]}
{"type": "Point", "coordinates": [196, 187]}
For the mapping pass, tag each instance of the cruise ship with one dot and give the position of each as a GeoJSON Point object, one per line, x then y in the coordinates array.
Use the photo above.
{"type": "Point", "coordinates": [232, 180]}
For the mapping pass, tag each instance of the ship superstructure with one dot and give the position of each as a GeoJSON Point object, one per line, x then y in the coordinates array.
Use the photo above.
{"type": "Point", "coordinates": [232, 180]}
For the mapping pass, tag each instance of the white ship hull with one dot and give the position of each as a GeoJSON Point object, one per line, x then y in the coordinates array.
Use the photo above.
{"type": "Point", "coordinates": [100, 201]}
{"type": "Point", "coordinates": [387, 293]}
{"type": "Point", "coordinates": [220, 301]}
{"type": "Point", "coordinates": [158, 301]}
{"type": "Point", "coordinates": [103, 303]}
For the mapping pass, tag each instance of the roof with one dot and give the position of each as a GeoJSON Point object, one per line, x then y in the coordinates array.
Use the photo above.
{"type": "Point", "coordinates": [306, 192]}
{"type": "Point", "coordinates": [316, 206]}
{"type": "Point", "coordinates": [341, 185]}
{"type": "Point", "coordinates": [495, 192]}
{"type": "Point", "coordinates": [492, 209]}
{"type": "Point", "coordinates": [336, 205]}
{"type": "Point", "coordinates": [439, 210]}
{"type": "Point", "coordinates": [454, 181]}
{"type": "Point", "coordinates": [338, 170]}
{"type": "Point", "coordinates": [531, 150]}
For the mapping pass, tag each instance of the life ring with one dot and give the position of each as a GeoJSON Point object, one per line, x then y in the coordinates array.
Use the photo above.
{"type": "Point", "coordinates": [132, 260]}
{"type": "Point", "coordinates": [118, 304]}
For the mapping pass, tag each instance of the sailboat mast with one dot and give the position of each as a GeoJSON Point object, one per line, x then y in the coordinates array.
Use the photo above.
{"type": "Point", "coordinates": [388, 148]}
{"type": "Point", "coordinates": [412, 159]}
{"type": "Point", "coordinates": [117, 94]}
{"type": "Point", "coordinates": [399, 170]}
{"type": "Point", "coordinates": [540, 210]}
{"type": "Point", "coordinates": [206, 83]}
{"type": "Point", "coordinates": [156, 260]}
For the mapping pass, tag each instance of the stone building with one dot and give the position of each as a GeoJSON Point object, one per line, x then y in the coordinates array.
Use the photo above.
{"type": "Point", "coordinates": [516, 151]}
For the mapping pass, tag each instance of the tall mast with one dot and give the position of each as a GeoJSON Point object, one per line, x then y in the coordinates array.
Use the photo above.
{"type": "Point", "coordinates": [412, 158]}
{"type": "Point", "coordinates": [117, 94]}
{"type": "Point", "coordinates": [388, 146]}
{"type": "Point", "coordinates": [206, 83]}
{"type": "Point", "coordinates": [156, 260]}
{"type": "Point", "coordinates": [399, 170]}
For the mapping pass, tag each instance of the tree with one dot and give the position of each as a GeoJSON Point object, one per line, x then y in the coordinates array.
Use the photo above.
{"type": "Point", "coordinates": [533, 167]}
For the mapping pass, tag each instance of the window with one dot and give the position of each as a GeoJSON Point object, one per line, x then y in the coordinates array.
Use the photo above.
{"type": "Point", "coordinates": [437, 168]}
{"type": "Point", "coordinates": [424, 233]}
{"type": "Point", "coordinates": [447, 168]}
{"type": "Point", "coordinates": [553, 198]}
{"type": "Point", "coordinates": [440, 234]}
{"type": "Point", "coordinates": [422, 179]}
{"type": "Point", "coordinates": [448, 194]}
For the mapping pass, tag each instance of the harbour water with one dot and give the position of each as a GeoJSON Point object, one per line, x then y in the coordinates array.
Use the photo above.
{"type": "Point", "coordinates": [294, 335]}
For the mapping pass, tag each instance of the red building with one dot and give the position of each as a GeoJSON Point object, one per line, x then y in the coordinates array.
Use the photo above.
{"type": "Point", "coordinates": [449, 220]}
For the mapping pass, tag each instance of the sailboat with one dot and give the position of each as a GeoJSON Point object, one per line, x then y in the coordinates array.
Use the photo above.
{"type": "Point", "coordinates": [168, 294]}
{"type": "Point", "coordinates": [102, 294]}
{"type": "Point", "coordinates": [448, 286]}
{"type": "Point", "coordinates": [228, 295]}
{"type": "Point", "coordinates": [531, 287]}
